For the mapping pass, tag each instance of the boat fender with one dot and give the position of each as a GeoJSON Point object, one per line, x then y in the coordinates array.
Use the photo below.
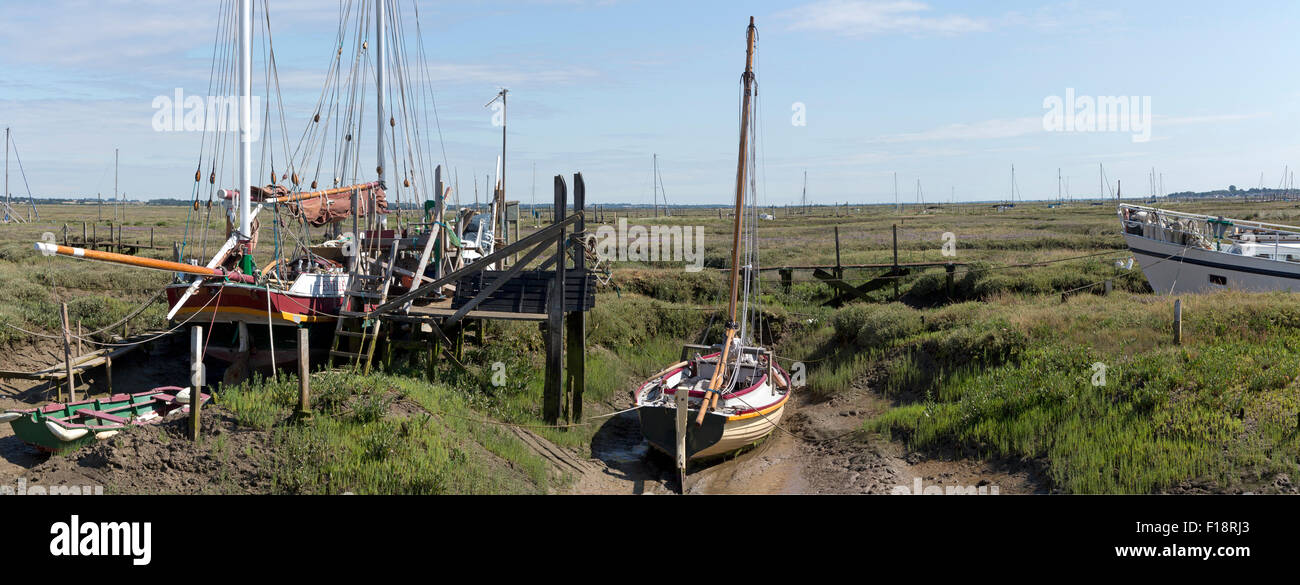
{"type": "Point", "coordinates": [10, 417]}
{"type": "Point", "coordinates": [183, 397]}
{"type": "Point", "coordinates": [64, 434]}
{"type": "Point", "coordinates": [104, 435]}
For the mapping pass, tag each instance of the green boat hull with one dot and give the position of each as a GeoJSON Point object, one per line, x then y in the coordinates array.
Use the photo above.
{"type": "Point", "coordinates": [65, 428]}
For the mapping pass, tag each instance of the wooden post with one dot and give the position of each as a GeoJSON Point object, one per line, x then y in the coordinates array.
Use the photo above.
{"type": "Point", "coordinates": [80, 351]}
{"type": "Point", "coordinates": [839, 270]}
{"type": "Point", "coordinates": [1178, 321]}
{"type": "Point", "coordinates": [552, 394]}
{"type": "Point", "coordinates": [65, 234]}
{"type": "Point", "coordinates": [951, 269]}
{"type": "Point", "coordinates": [787, 280]}
{"type": "Point", "coordinates": [83, 233]}
{"type": "Point", "coordinates": [575, 374]}
{"type": "Point", "coordinates": [435, 349]}
{"type": "Point", "coordinates": [150, 238]}
{"type": "Point", "coordinates": [894, 272]}
{"type": "Point", "coordinates": [304, 374]}
{"type": "Point", "coordinates": [196, 379]}
{"type": "Point", "coordinates": [94, 233]}
{"type": "Point", "coordinates": [682, 397]}
{"type": "Point", "coordinates": [67, 356]}
{"type": "Point", "coordinates": [108, 375]}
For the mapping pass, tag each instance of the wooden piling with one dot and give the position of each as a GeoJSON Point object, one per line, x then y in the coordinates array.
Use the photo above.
{"type": "Point", "coordinates": [1178, 321]}
{"type": "Point", "coordinates": [196, 379]}
{"type": "Point", "coordinates": [552, 394]}
{"type": "Point", "coordinates": [839, 268]}
{"type": "Point", "coordinates": [67, 356]}
{"type": "Point", "coordinates": [895, 269]}
{"type": "Point", "coordinates": [304, 374]}
{"type": "Point", "coordinates": [575, 375]}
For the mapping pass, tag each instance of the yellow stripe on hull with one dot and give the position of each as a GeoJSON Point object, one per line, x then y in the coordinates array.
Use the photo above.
{"type": "Point", "coordinates": [237, 314]}
{"type": "Point", "coordinates": [744, 430]}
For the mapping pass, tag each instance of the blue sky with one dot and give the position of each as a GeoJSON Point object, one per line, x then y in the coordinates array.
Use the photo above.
{"type": "Point", "coordinates": [947, 93]}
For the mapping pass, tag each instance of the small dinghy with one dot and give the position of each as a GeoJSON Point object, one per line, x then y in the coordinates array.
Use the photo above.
{"type": "Point", "coordinates": [63, 428]}
{"type": "Point", "coordinates": [750, 406]}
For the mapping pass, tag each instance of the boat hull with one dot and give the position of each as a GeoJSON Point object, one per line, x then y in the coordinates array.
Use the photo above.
{"type": "Point", "coordinates": [232, 303]}
{"type": "Point", "coordinates": [719, 435]}
{"type": "Point", "coordinates": [64, 428]}
{"type": "Point", "coordinates": [1174, 269]}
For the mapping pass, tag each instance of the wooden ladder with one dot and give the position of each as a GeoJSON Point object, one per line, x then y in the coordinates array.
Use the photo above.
{"type": "Point", "coordinates": [353, 322]}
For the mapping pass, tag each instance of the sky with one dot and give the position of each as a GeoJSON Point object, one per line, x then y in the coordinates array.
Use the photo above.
{"type": "Point", "coordinates": [945, 93]}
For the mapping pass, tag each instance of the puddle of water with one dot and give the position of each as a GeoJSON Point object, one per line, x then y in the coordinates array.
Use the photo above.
{"type": "Point", "coordinates": [622, 442]}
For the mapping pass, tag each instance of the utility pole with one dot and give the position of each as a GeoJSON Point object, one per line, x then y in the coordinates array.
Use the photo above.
{"type": "Point", "coordinates": [501, 195]}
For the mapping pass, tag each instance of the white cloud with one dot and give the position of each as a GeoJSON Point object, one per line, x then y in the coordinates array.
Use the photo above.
{"type": "Point", "coordinates": [857, 18]}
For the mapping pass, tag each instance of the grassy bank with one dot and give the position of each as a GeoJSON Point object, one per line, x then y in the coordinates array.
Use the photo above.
{"type": "Point", "coordinates": [1023, 378]}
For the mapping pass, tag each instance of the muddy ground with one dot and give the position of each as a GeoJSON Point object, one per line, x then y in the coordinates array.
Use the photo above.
{"type": "Point", "coordinates": [816, 451]}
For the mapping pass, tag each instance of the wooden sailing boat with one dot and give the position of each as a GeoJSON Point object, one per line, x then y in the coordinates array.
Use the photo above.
{"type": "Point", "coordinates": [313, 286]}
{"type": "Point", "coordinates": [735, 393]}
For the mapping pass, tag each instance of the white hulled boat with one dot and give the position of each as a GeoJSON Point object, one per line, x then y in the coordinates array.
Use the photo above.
{"type": "Point", "coordinates": [1187, 252]}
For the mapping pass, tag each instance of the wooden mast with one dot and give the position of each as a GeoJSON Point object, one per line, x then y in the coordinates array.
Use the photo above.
{"type": "Point", "coordinates": [711, 399]}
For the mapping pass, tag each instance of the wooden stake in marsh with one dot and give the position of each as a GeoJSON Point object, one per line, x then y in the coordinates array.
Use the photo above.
{"type": "Point", "coordinates": [1178, 321]}
{"type": "Point", "coordinates": [196, 379]}
{"type": "Point", "coordinates": [304, 375]}
{"type": "Point", "coordinates": [67, 356]}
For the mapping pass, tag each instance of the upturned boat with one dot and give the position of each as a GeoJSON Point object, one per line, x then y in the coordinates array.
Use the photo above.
{"type": "Point", "coordinates": [734, 394]}
{"type": "Point", "coordinates": [62, 428]}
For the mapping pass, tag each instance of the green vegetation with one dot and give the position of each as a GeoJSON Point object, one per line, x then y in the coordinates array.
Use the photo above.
{"type": "Point", "coordinates": [997, 366]}
{"type": "Point", "coordinates": [1016, 378]}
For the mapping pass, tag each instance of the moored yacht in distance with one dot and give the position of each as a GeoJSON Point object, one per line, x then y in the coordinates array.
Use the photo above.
{"type": "Point", "coordinates": [1187, 252]}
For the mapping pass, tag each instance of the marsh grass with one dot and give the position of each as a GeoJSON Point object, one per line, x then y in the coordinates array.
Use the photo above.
{"type": "Point", "coordinates": [1015, 378]}
{"type": "Point", "coordinates": [356, 443]}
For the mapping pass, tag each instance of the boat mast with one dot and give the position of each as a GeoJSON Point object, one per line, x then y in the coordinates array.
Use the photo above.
{"type": "Point", "coordinates": [381, 75]}
{"type": "Point", "coordinates": [740, 177]}
{"type": "Point", "coordinates": [654, 182]}
{"type": "Point", "coordinates": [715, 384]}
{"type": "Point", "coordinates": [245, 117]}
{"type": "Point", "coordinates": [115, 204]}
{"type": "Point", "coordinates": [7, 208]}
